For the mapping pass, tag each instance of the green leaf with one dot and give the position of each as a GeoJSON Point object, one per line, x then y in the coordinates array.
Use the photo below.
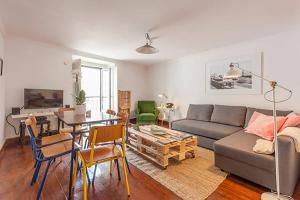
{"type": "Point", "coordinates": [80, 98]}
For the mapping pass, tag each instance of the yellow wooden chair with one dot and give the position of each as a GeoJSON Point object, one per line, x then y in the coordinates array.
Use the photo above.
{"type": "Point", "coordinates": [86, 133]}
{"type": "Point", "coordinates": [123, 120]}
{"type": "Point", "coordinates": [96, 154]}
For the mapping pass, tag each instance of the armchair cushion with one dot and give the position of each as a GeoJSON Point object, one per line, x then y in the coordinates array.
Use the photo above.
{"type": "Point", "coordinates": [146, 117]}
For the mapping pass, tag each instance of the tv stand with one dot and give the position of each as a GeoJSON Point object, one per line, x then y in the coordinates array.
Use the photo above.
{"type": "Point", "coordinates": [24, 116]}
{"type": "Point", "coordinates": [37, 114]}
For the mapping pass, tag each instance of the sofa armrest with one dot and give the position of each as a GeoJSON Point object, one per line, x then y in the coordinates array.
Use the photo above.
{"type": "Point", "coordinates": [156, 112]}
{"type": "Point", "coordinates": [289, 164]}
{"type": "Point", "coordinates": [171, 123]}
{"type": "Point", "coordinates": [137, 111]}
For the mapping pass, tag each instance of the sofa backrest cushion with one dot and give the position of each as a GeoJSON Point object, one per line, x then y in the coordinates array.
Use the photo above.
{"type": "Point", "coordinates": [250, 112]}
{"type": "Point", "coordinates": [231, 115]}
{"type": "Point", "coordinates": [146, 106]}
{"type": "Point", "coordinates": [201, 112]}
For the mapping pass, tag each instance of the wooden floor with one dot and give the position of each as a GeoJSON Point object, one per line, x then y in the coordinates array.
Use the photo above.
{"type": "Point", "coordinates": [16, 168]}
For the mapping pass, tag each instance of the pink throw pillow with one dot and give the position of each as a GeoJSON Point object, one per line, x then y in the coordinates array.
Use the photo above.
{"type": "Point", "coordinates": [292, 120]}
{"type": "Point", "coordinates": [263, 126]}
{"type": "Point", "coordinates": [253, 117]}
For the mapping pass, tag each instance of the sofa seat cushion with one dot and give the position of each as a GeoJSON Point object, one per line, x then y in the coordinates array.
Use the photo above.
{"type": "Point", "coordinates": [206, 129]}
{"type": "Point", "coordinates": [230, 115]}
{"type": "Point", "coordinates": [200, 112]}
{"type": "Point", "coordinates": [147, 117]}
{"type": "Point", "coordinates": [239, 147]}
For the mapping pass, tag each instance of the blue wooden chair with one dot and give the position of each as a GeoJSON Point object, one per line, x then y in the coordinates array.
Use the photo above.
{"type": "Point", "coordinates": [46, 149]}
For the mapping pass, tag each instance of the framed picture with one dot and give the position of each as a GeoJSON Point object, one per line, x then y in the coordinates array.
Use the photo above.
{"type": "Point", "coordinates": [1, 66]}
{"type": "Point", "coordinates": [220, 81]}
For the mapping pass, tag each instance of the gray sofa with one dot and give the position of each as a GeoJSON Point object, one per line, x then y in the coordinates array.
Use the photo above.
{"type": "Point", "coordinates": [221, 128]}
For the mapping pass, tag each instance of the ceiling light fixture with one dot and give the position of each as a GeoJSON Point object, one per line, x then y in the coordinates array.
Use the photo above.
{"type": "Point", "coordinates": [147, 48]}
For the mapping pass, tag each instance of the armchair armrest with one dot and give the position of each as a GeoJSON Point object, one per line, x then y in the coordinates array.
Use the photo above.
{"type": "Point", "coordinates": [137, 111]}
{"type": "Point", "coordinates": [289, 164]}
{"type": "Point", "coordinates": [156, 112]}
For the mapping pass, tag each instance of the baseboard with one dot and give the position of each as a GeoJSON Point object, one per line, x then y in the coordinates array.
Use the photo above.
{"type": "Point", "coordinates": [16, 140]}
{"type": "Point", "coordinates": [2, 144]}
{"type": "Point", "coordinates": [8, 141]}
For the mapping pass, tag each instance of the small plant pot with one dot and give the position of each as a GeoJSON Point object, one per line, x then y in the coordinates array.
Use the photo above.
{"type": "Point", "coordinates": [80, 109]}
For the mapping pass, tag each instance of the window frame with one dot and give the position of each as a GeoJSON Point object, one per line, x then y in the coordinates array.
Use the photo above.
{"type": "Point", "coordinates": [110, 97]}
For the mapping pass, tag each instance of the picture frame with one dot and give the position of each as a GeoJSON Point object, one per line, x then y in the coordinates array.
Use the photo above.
{"type": "Point", "coordinates": [1, 66]}
{"type": "Point", "coordinates": [218, 81]}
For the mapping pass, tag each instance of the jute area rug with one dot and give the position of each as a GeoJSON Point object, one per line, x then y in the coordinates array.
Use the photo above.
{"type": "Point", "coordinates": [191, 179]}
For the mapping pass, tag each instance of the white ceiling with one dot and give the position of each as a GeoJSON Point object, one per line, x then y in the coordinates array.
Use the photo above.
{"type": "Point", "coordinates": [115, 28]}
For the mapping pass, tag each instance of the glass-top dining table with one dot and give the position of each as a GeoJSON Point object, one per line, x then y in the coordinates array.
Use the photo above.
{"type": "Point", "coordinates": [70, 118]}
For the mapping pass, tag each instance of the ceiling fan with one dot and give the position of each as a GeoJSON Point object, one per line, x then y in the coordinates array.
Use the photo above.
{"type": "Point", "coordinates": [147, 48]}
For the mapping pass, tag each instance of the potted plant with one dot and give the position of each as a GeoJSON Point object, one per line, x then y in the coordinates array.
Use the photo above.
{"type": "Point", "coordinates": [80, 107]}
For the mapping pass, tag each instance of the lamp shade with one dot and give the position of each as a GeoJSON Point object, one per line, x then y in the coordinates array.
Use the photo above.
{"type": "Point", "coordinates": [147, 49]}
{"type": "Point", "coordinates": [163, 95]}
{"type": "Point", "coordinates": [233, 72]}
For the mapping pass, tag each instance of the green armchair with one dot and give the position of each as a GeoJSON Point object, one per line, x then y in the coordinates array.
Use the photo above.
{"type": "Point", "coordinates": [146, 112]}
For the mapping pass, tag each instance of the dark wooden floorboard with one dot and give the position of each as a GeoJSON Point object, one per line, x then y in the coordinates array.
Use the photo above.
{"type": "Point", "coordinates": [16, 169]}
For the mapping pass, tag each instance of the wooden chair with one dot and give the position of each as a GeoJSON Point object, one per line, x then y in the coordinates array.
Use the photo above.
{"type": "Point", "coordinates": [122, 121]}
{"type": "Point", "coordinates": [86, 134]}
{"type": "Point", "coordinates": [111, 112]}
{"type": "Point", "coordinates": [86, 143]}
{"type": "Point", "coordinates": [70, 129]}
{"type": "Point", "coordinates": [48, 149]}
{"type": "Point", "coordinates": [96, 154]}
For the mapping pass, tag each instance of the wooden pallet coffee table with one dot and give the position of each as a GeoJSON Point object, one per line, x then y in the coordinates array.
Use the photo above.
{"type": "Point", "coordinates": [159, 144]}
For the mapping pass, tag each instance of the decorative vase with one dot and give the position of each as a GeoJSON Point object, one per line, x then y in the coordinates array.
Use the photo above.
{"type": "Point", "coordinates": [80, 109]}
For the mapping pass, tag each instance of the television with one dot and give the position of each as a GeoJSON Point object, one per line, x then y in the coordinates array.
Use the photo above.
{"type": "Point", "coordinates": [43, 98]}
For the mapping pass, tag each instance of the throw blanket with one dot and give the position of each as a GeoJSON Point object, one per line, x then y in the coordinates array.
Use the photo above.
{"type": "Point", "coordinates": [267, 147]}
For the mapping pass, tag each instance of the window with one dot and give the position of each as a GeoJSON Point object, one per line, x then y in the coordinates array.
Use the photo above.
{"type": "Point", "coordinates": [98, 85]}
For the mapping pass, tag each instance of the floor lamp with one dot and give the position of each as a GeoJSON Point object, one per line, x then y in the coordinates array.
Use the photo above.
{"type": "Point", "coordinates": [234, 73]}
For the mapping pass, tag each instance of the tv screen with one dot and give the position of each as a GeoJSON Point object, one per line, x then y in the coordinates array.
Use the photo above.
{"type": "Point", "coordinates": [42, 98]}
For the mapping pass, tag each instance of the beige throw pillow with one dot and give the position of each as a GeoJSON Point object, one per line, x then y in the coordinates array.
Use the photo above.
{"type": "Point", "coordinates": [264, 146]}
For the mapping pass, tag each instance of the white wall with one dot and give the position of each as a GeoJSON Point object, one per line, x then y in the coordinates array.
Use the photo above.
{"type": "Point", "coordinates": [33, 64]}
{"type": "Point", "coordinates": [183, 79]}
{"type": "Point", "coordinates": [134, 78]}
{"type": "Point", "coordinates": [2, 92]}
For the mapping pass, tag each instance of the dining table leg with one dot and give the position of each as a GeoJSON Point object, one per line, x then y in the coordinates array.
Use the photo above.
{"type": "Point", "coordinates": [58, 124]}
{"type": "Point", "coordinates": [71, 167]}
